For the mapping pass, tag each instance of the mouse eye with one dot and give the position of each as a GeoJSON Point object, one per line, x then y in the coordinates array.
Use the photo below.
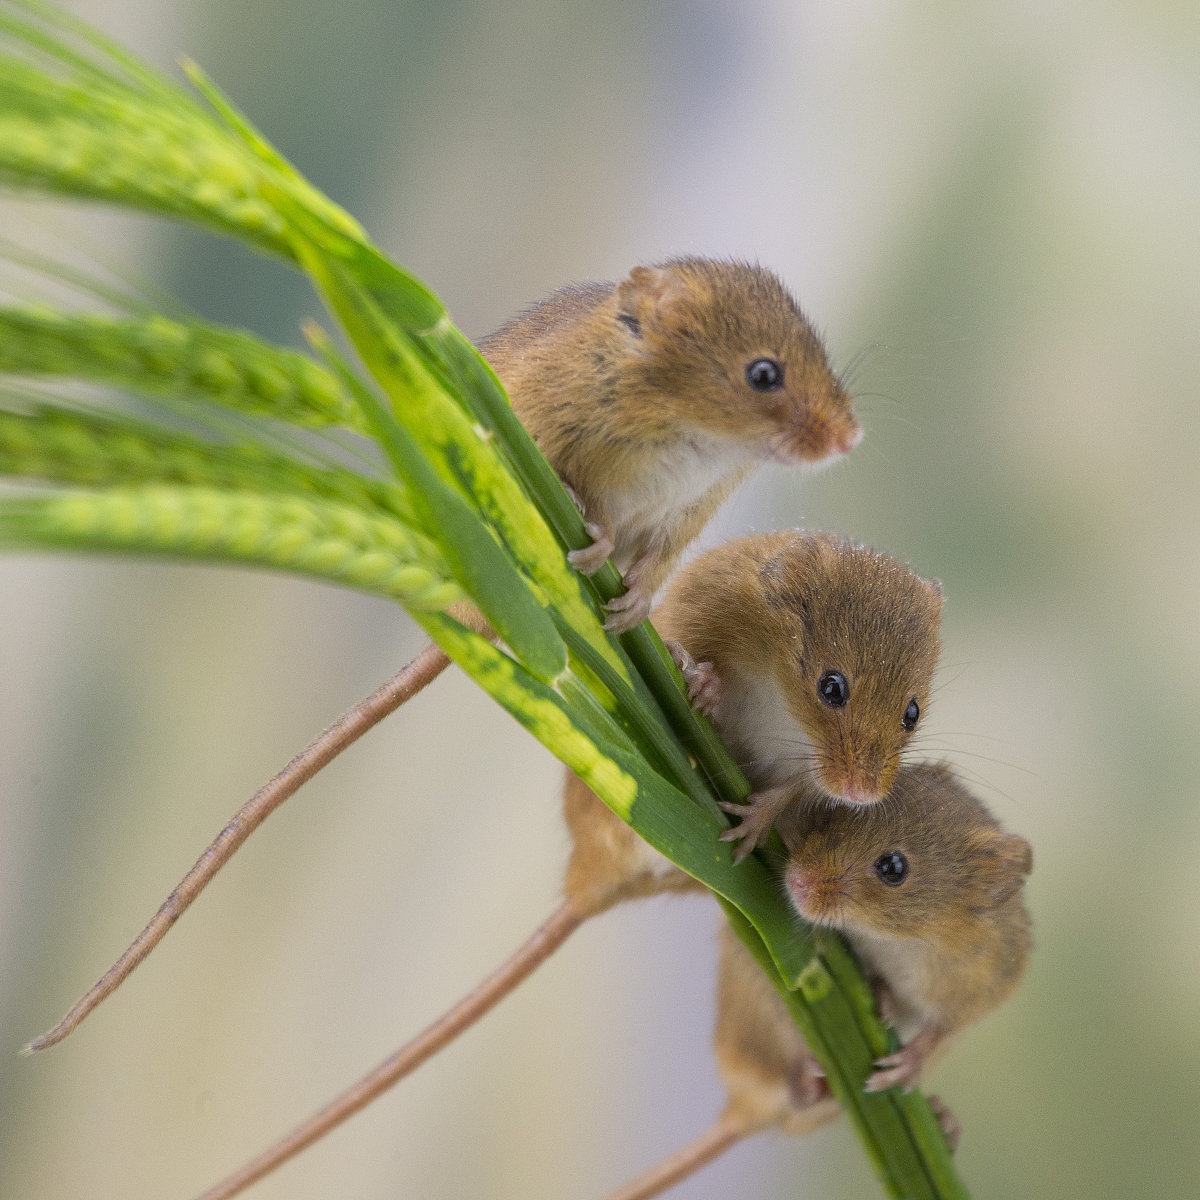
{"type": "Point", "coordinates": [765, 375]}
{"type": "Point", "coordinates": [833, 688]}
{"type": "Point", "coordinates": [911, 713]}
{"type": "Point", "coordinates": [892, 867]}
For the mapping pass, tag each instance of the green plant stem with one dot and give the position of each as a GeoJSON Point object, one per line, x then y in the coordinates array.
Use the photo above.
{"type": "Point", "coordinates": [136, 140]}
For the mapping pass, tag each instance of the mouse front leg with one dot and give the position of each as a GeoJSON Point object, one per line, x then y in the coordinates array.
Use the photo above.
{"type": "Point", "coordinates": [703, 682]}
{"type": "Point", "coordinates": [641, 582]}
{"type": "Point", "coordinates": [903, 1068]}
{"type": "Point", "coordinates": [759, 814]}
{"type": "Point", "coordinates": [591, 558]}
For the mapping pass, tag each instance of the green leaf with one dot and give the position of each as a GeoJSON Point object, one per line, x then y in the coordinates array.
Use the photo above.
{"type": "Point", "coordinates": [475, 557]}
{"type": "Point", "coordinates": [184, 360]}
{"type": "Point", "coordinates": [303, 536]}
{"type": "Point", "coordinates": [92, 449]}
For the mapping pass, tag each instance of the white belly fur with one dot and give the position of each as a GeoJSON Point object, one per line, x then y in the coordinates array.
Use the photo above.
{"type": "Point", "coordinates": [683, 472]}
{"type": "Point", "coordinates": [904, 963]}
{"type": "Point", "coordinates": [772, 746]}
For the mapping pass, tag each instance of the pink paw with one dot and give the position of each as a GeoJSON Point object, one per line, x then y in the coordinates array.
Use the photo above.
{"type": "Point", "coordinates": [703, 682]}
{"type": "Point", "coordinates": [591, 558]}
{"type": "Point", "coordinates": [901, 1069]}
{"type": "Point", "coordinates": [757, 819]}
{"type": "Point", "coordinates": [948, 1123]}
{"type": "Point", "coordinates": [627, 610]}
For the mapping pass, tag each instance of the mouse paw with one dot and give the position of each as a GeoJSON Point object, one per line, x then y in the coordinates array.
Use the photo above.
{"type": "Point", "coordinates": [703, 682]}
{"type": "Point", "coordinates": [903, 1068]}
{"type": "Point", "coordinates": [758, 815]}
{"type": "Point", "coordinates": [807, 1083]}
{"type": "Point", "coordinates": [591, 558]}
{"type": "Point", "coordinates": [950, 1125]}
{"type": "Point", "coordinates": [627, 610]}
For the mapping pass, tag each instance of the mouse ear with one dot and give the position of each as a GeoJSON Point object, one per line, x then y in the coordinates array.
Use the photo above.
{"type": "Point", "coordinates": [935, 586]}
{"type": "Point", "coordinates": [647, 292]}
{"type": "Point", "coordinates": [1003, 862]}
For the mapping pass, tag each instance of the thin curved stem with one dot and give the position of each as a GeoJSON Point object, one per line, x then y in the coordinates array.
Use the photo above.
{"type": "Point", "coordinates": [545, 940]}
{"type": "Point", "coordinates": [346, 730]}
{"type": "Point", "coordinates": [725, 1132]}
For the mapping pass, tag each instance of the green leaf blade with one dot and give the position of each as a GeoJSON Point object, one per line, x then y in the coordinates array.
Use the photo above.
{"type": "Point", "coordinates": [304, 537]}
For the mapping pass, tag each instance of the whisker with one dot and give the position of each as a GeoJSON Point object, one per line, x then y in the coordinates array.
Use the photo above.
{"type": "Point", "coordinates": [998, 762]}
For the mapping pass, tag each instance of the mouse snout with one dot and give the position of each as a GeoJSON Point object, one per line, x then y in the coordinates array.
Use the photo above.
{"type": "Point", "coordinates": [856, 784]}
{"type": "Point", "coordinates": [857, 794]}
{"type": "Point", "coordinates": [850, 438]}
{"type": "Point", "coordinates": [807, 434]}
{"type": "Point", "coordinates": [858, 779]}
{"type": "Point", "coordinates": [814, 893]}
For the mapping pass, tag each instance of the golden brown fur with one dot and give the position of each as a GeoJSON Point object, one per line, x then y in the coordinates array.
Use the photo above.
{"type": "Point", "coordinates": [637, 394]}
{"type": "Point", "coordinates": [609, 862]}
{"type": "Point", "coordinates": [957, 928]}
{"type": "Point", "coordinates": [947, 944]}
{"type": "Point", "coordinates": [759, 1049]}
{"type": "Point", "coordinates": [773, 613]}
{"type": "Point", "coordinates": [775, 607]}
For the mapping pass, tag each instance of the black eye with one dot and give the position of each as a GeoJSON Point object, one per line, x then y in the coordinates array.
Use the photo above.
{"type": "Point", "coordinates": [765, 375]}
{"type": "Point", "coordinates": [892, 867]}
{"type": "Point", "coordinates": [833, 688]}
{"type": "Point", "coordinates": [911, 713]}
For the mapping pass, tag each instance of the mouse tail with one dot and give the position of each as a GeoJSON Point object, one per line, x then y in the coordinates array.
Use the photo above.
{"type": "Point", "coordinates": [724, 1133]}
{"type": "Point", "coordinates": [346, 730]}
{"type": "Point", "coordinates": [545, 940]}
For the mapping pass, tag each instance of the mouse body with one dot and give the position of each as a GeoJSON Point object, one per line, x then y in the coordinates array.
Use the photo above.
{"type": "Point", "coordinates": [654, 397]}
{"type": "Point", "coordinates": [927, 890]}
{"type": "Point", "coordinates": [773, 614]}
{"type": "Point", "coordinates": [814, 657]}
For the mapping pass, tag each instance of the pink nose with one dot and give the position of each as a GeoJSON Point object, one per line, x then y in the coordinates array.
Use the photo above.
{"type": "Point", "coordinates": [857, 794]}
{"type": "Point", "coordinates": [850, 440]}
{"type": "Point", "coordinates": [800, 888]}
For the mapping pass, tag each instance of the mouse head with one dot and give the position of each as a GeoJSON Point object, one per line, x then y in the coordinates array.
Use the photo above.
{"type": "Point", "coordinates": [929, 862]}
{"type": "Point", "coordinates": [725, 346]}
{"type": "Point", "coordinates": [863, 632]}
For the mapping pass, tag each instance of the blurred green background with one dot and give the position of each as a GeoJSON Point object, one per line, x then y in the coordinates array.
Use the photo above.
{"type": "Point", "coordinates": [998, 205]}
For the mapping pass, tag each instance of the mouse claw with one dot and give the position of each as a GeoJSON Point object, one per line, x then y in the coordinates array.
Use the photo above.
{"type": "Point", "coordinates": [627, 610]}
{"type": "Point", "coordinates": [949, 1124]}
{"type": "Point", "coordinates": [758, 815]}
{"type": "Point", "coordinates": [703, 682]}
{"type": "Point", "coordinates": [903, 1068]}
{"type": "Point", "coordinates": [591, 558]}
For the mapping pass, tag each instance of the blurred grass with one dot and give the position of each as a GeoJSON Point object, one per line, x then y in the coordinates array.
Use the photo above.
{"type": "Point", "coordinates": [1005, 197]}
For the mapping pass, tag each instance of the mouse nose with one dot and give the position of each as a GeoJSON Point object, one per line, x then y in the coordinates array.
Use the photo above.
{"type": "Point", "coordinates": [802, 888]}
{"type": "Point", "coordinates": [849, 440]}
{"type": "Point", "coordinates": [813, 891]}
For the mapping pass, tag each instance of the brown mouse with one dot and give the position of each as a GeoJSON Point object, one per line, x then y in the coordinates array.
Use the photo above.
{"type": "Point", "coordinates": [772, 616]}
{"type": "Point", "coordinates": [788, 592]}
{"type": "Point", "coordinates": [926, 887]}
{"type": "Point", "coordinates": [814, 657]}
{"type": "Point", "coordinates": [654, 397]}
